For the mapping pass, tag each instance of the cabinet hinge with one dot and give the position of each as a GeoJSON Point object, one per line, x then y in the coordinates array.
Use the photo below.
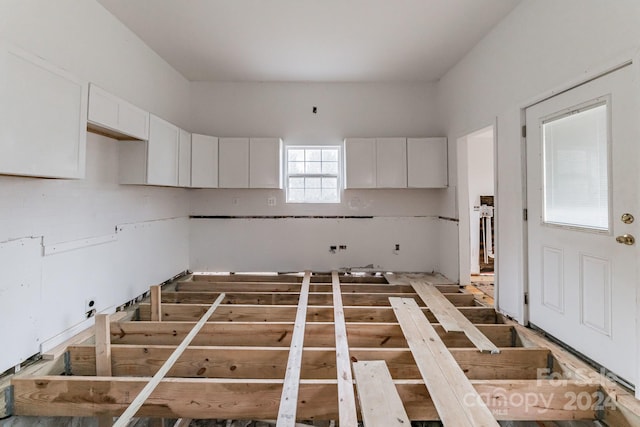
{"type": "Point", "coordinates": [525, 214]}
{"type": "Point", "coordinates": [526, 298]}
{"type": "Point", "coordinates": [524, 131]}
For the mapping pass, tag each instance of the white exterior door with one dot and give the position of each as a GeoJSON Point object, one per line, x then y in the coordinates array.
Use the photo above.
{"type": "Point", "coordinates": [582, 185]}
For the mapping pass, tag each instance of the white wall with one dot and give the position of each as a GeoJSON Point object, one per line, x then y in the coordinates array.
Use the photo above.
{"type": "Point", "coordinates": [285, 110]}
{"type": "Point", "coordinates": [145, 229]}
{"type": "Point", "coordinates": [542, 45]}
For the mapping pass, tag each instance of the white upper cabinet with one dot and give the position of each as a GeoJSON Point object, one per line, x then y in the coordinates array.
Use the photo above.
{"type": "Point", "coordinates": [43, 117]}
{"type": "Point", "coordinates": [115, 117]}
{"type": "Point", "coordinates": [162, 160]}
{"type": "Point", "coordinates": [360, 162]}
{"type": "Point", "coordinates": [204, 161]}
{"type": "Point", "coordinates": [153, 162]}
{"type": "Point", "coordinates": [233, 171]}
{"type": "Point", "coordinates": [427, 162]}
{"type": "Point", "coordinates": [184, 159]}
{"type": "Point", "coordinates": [265, 160]}
{"type": "Point", "coordinates": [391, 163]}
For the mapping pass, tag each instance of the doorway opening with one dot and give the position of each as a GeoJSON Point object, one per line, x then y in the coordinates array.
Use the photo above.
{"type": "Point", "coordinates": [476, 208]}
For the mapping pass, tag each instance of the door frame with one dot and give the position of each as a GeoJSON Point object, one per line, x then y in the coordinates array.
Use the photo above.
{"type": "Point", "coordinates": [631, 58]}
{"type": "Point", "coordinates": [463, 207]}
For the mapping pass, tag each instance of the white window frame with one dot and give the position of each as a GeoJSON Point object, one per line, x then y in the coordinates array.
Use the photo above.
{"type": "Point", "coordinates": [338, 174]}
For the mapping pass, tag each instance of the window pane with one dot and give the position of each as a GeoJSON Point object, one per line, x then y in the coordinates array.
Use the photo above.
{"type": "Point", "coordinates": [313, 195]}
{"type": "Point", "coordinates": [296, 195]}
{"type": "Point", "coordinates": [329, 195]}
{"type": "Point", "coordinates": [329, 182]}
{"type": "Point", "coordinates": [313, 155]}
{"type": "Point", "coordinates": [576, 185]}
{"type": "Point", "coordinates": [313, 183]}
{"type": "Point", "coordinates": [330, 168]}
{"type": "Point", "coordinates": [330, 155]}
{"type": "Point", "coordinates": [313, 167]}
{"type": "Point", "coordinates": [296, 155]}
{"type": "Point", "coordinates": [296, 182]}
{"type": "Point", "coordinates": [296, 167]}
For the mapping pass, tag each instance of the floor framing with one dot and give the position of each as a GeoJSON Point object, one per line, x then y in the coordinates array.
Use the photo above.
{"type": "Point", "coordinates": [282, 347]}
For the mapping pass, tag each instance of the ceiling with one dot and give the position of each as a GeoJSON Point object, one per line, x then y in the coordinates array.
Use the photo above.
{"type": "Point", "coordinates": [311, 40]}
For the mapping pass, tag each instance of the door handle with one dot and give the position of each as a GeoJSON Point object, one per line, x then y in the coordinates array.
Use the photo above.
{"type": "Point", "coordinates": [626, 239]}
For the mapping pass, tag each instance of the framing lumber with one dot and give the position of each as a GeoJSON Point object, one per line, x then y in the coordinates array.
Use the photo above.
{"type": "Point", "coordinates": [449, 388]}
{"type": "Point", "coordinates": [103, 345]}
{"type": "Point", "coordinates": [258, 399]}
{"type": "Point", "coordinates": [137, 403]}
{"type": "Point", "coordinates": [291, 298]}
{"type": "Point", "coordinates": [200, 286]}
{"type": "Point", "coordinates": [156, 303]}
{"type": "Point", "coordinates": [288, 278]}
{"type": "Point", "coordinates": [346, 399]}
{"type": "Point", "coordinates": [278, 334]}
{"type": "Point", "coordinates": [380, 404]}
{"type": "Point", "coordinates": [80, 337]}
{"type": "Point", "coordinates": [289, 397]}
{"type": "Point", "coordinates": [450, 318]}
{"type": "Point", "coordinates": [287, 313]}
{"type": "Point", "coordinates": [317, 363]}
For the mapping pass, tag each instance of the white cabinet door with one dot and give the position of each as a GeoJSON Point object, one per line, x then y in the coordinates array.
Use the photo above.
{"type": "Point", "coordinates": [162, 153]}
{"type": "Point", "coordinates": [116, 117]}
{"type": "Point", "coordinates": [265, 156]}
{"type": "Point", "coordinates": [233, 171]}
{"type": "Point", "coordinates": [204, 161]}
{"type": "Point", "coordinates": [391, 163]}
{"type": "Point", "coordinates": [427, 162]}
{"type": "Point", "coordinates": [43, 118]}
{"type": "Point", "coordinates": [184, 159]}
{"type": "Point", "coordinates": [360, 162]}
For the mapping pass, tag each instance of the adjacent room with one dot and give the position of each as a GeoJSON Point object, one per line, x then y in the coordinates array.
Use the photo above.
{"type": "Point", "coordinates": [319, 213]}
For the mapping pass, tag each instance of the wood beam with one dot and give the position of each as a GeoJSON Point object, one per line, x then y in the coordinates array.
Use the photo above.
{"type": "Point", "coordinates": [380, 404]}
{"type": "Point", "coordinates": [278, 334]}
{"type": "Point", "coordinates": [287, 313]}
{"type": "Point", "coordinates": [348, 414]}
{"type": "Point", "coordinates": [318, 363]}
{"type": "Point", "coordinates": [289, 397]}
{"type": "Point", "coordinates": [156, 303]}
{"type": "Point", "coordinates": [288, 278]}
{"type": "Point", "coordinates": [315, 298]}
{"type": "Point", "coordinates": [146, 391]}
{"type": "Point", "coordinates": [450, 318]}
{"type": "Point", "coordinates": [200, 286]}
{"type": "Point", "coordinates": [258, 399]}
{"type": "Point", "coordinates": [458, 404]}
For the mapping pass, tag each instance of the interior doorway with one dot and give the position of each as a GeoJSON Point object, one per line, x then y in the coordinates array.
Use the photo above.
{"type": "Point", "coordinates": [476, 207]}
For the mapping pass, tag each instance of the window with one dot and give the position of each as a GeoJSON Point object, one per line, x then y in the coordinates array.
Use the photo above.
{"type": "Point", "coordinates": [576, 175]}
{"type": "Point", "coordinates": [313, 174]}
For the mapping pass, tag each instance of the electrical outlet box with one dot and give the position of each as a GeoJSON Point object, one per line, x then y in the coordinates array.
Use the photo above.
{"type": "Point", "coordinates": [343, 247]}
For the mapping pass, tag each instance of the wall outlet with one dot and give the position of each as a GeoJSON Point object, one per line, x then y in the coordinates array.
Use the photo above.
{"type": "Point", "coordinates": [271, 201]}
{"type": "Point", "coordinates": [343, 247]}
{"type": "Point", "coordinates": [90, 307]}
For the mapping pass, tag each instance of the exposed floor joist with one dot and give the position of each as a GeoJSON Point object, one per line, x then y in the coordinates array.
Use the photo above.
{"type": "Point", "coordinates": [235, 367]}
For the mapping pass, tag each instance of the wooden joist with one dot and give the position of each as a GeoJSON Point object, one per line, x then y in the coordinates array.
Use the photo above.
{"type": "Point", "coordinates": [458, 404]}
{"type": "Point", "coordinates": [346, 398]}
{"type": "Point", "coordinates": [318, 363]}
{"type": "Point", "coordinates": [291, 298]}
{"type": "Point", "coordinates": [289, 397]}
{"type": "Point", "coordinates": [259, 399]}
{"type": "Point", "coordinates": [278, 334]}
{"type": "Point", "coordinates": [203, 286]}
{"type": "Point", "coordinates": [156, 302]}
{"type": "Point", "coordinates": [380, 404]}
{"type": "Point", "coordinates": [146, 391]}
{"type": "Point", "coordinates": [287, 313]}
{"type": "Point", "coordinates": [450, 318]}
{"type": "Point", "coordinates": [288, 278]}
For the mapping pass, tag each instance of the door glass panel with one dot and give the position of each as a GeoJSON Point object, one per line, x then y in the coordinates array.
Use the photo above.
{"type": "Point", "coordinates": [576, 175]}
